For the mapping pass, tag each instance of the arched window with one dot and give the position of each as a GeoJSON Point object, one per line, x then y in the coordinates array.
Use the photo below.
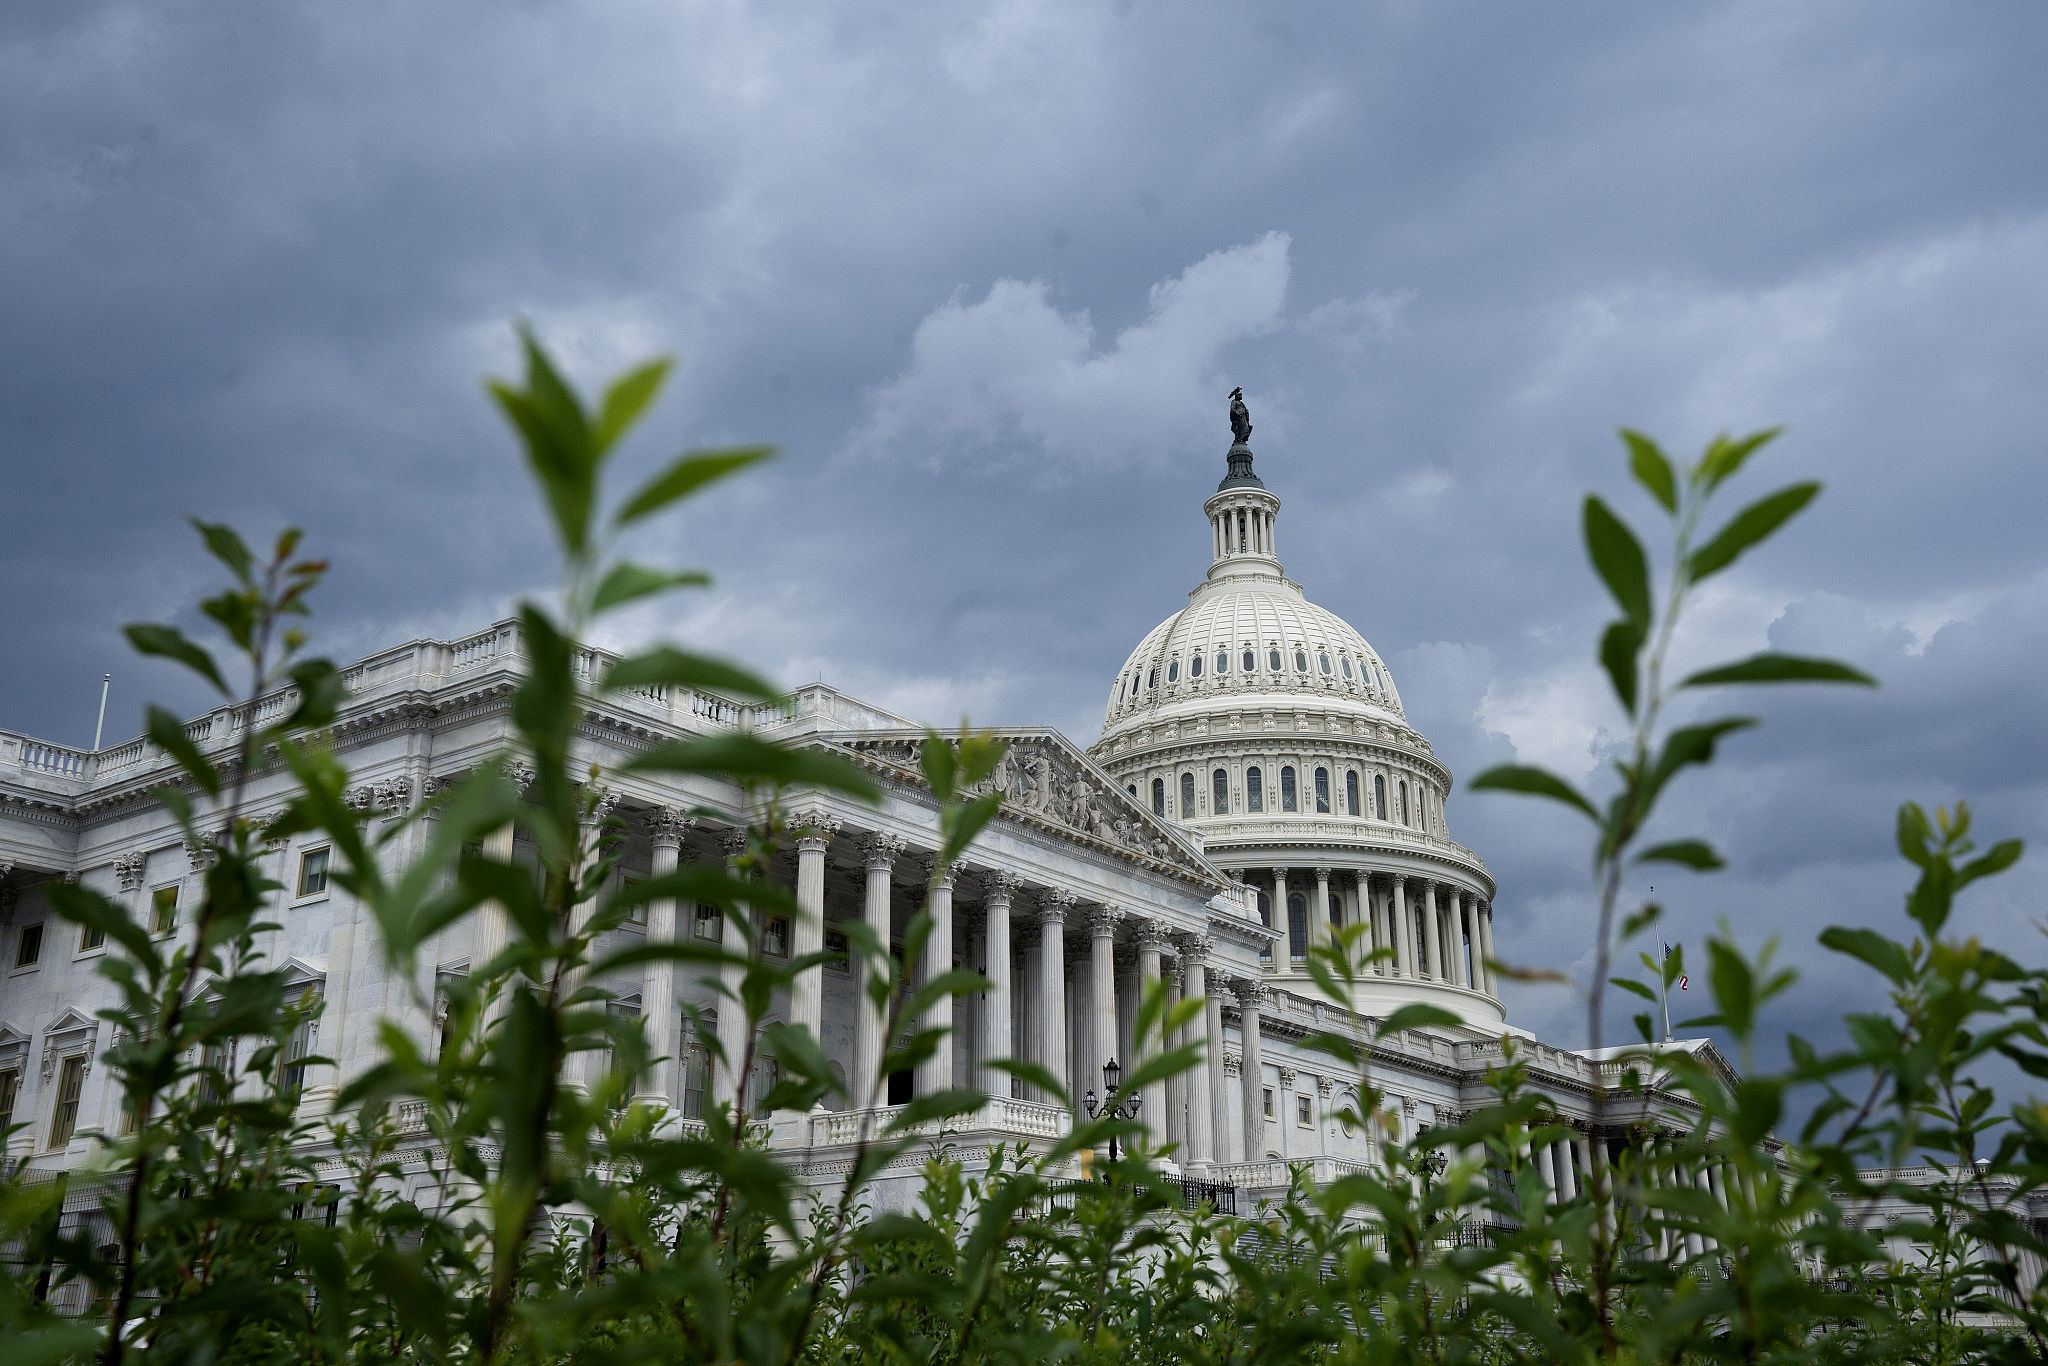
{"type": "Point", "coordinates": [1223, 661]}
{"type": "Point", "coordinates": [1152, 680]}
{"type": "Point", "coordinates": [1131, 788]}
{"type": "Point", "coordinates": [1297, 925]}
{"type": "Point", "coordinates": [1195, 667]}
{"type": "Point", "coordinates": [1379, 795]}
{"type": "Point", "coordinates": [1273, 659]}
{"type": "Point", "coordinates": [1159, 796]}
{"type": "Point", "coordinates": [1219, 792]}
{"type": "Point", "coordinates": [1404, 804]}
{"type": "Point", "coordinates": [1173, 671]}
{"type": "Point", "coordinates": [1287, 796]}
{"type": "Point", "coordinates": [1301, 661]}
{"type": "Point", "coordinates": [1251, 660]}
{"type": "Point", "coordinates": [1187, 795]}
{"type": "Point", "coordinates": [1322, 792]}
{"type": "Point", "coordinates": [1254, 790]}
{"type": "Point", "coordinates": [1351, 793]}
{"type": "Point", "coordinates": [1323, 662]}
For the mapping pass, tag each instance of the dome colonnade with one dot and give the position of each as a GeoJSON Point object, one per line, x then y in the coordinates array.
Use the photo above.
{"type": "Point", "coordinates": [1269, 728]}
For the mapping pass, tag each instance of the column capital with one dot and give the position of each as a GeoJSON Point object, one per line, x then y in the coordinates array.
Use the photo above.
{"type": "Point", "coordinates": [1000, 884]}
{"type": "Point", "coordinates": [1102, 921]}
{"type": "Point", "coordinates": [947, 877]}
{"type": "Point", "coordinates": [880, 851]}
{"type": "Point", "coordinates": [1322, 874]}
{"type": "Point", "coordinates": [1326, 1086]}
{"type": "Point", "coordinates": [667, 825]}
{"type": "Point", "coordinates": [604, 800]}
{"type": "Point", "coordinates": [1195, 948]}
{"type": "Point", "coordinates": [199, 854]}
{"type": "Point", "coordinates": [1053, 906]}
{"type": "Point", "coordinates": [733, 840]}
{"type": "Point", "coordinates": [1250, 994]}
{"type": "Point", "coordinates": [1233, 1063]}
{"type": "Point", "coordinates": [813, 822]}
{"type": "Point", "coordinates": [520, 774]}
{"type": "Point", "coordinates": [1153, 934]}
{"type": "Point", "coordinates": [1287, 1075]}
{"type": "Point", "coordinates": [128, 868]}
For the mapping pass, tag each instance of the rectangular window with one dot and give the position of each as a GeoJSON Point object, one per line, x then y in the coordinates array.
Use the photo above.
{"type": "Point", "coordinates": [91, 937]}
{"type": "Point", "coordinates": [70, 1082]}
{"type": "Point", "coordinates": [291, 1064]}
{"type": "Point", "coordinates": [163, 910]}
{"type": "Point", "coordinates": [775, 937]}
{"type": "Point", "coordinates": [28, 950]}
{"type": "Point", "coordinates": [706, 923]}
{"type": "Point", "coordinates": [313, 872]}
{"type": "Point", "coordinates": [636, 914]}
{"type": "Point", "coordinates": [695, 1063]}
{"type": "Point", "coordinates": [767, 1076]}
{"type": "Point", "coordinates": [835, 944]}
{"type": "Point", "coordinates": [214, 1082]}
{"type": "Point", "coordinates": [10, 1087]}
{"type": "Point", "coordinates": [1304, 1113]}
{"type": "Point", "coordinates": [1268, 1094]}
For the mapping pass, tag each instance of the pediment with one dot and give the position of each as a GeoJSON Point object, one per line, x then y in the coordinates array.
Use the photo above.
{"type": "Point", "coordinates": [70, 1021]}
{"type": "Point", "coordinates": [301, 971]}
{"type": "Point", "coordinates": [1045, 778]}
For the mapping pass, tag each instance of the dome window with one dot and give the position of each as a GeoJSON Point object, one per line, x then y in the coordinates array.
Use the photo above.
{"type": "Point", "coordinates": [1159, 796]}
{"type": "Point", "coordinates": [1297, 925]}
{"type": "Point", "coordinates": [1351, 792]}
{"type": "Point", "coordinates": [1346, 661]}
{"type": "Point", "coordinates": [1195, 667]}
{"type": "Point", "coordinates": [1273, 659]}
{"type": "Point", "coordinates": [1173, 671]}
{"type": "Point", "coordinates": [1254, 790]}
{"type": "Point", "coordinates": [1219, 793]}
{"type": "Point", "coordinates": [1404, 804]}
{"type": "Point", "coordinates": [1288, 801]}
{"type": "Point", "coordinates": [1322, 792]}
{"type": "Point", "coordinates": [1251, 661]}
{"type": "Point", "coordinates": [1301, 661]}
{"type": "Point", "coordinates": [1223, 661]}
{"type": "Point", "coordinates": [1187, 795]}
{"type": "Point", "coordinates": [1379, 795]}
{"type": "Point", "coordinates": [1324, 661]}
{"type": "Point", "coordinates": [1152, 681]}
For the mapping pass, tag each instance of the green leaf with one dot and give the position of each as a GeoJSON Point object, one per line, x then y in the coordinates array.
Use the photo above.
{"type": "Point", "coordinates": [321, 693]}
{"type": "Point", "coordinates": [168, 642]}
{"type": "Point", "coordinates": [627, 399]}
{"type": "Point", "coordinates": [1535, 782]}
{"type": "Point", "coordinates": [168, 733]}
{"type": "Point", "coordinates": [1871, 947]}
{"type": "Point", "coordinates": [1652, 469]}
{"type": "Point", "coordinates": [746, 759]}
{"type": "Point", "coordinates": [1618, 558]}
{"type": "Point", "coordinates": [1748, 527]}
{"type": "Point", "coordinates": [1690, 853]}
{"type": "Point", "coordinates": [684, 476]}
{"type": "Point", "coordinates": [665, 666]}
{"type": "Point", "coordinates": [2003, 855]}
{"type": "Point", "coordinates": [225, 544]}
{"type": "Point", "coordinates": [627, 582]}
{"type": "Point", "coordinates": [1724, 456]}
{"type": "Point", "coordinates": [1688, 745]}
{"type": "Point", "coordinates": [1630, 984]}
{"type": "Point", "coordinates": [1777, 668]}
{"type": "Point", "coordinates": [1415, 1015]}
{"type": "Point", "coordinates": [1618, 650]}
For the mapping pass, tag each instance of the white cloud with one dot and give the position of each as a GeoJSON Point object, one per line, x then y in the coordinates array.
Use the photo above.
{"type": "Point", "coordinates": [1013, 377]}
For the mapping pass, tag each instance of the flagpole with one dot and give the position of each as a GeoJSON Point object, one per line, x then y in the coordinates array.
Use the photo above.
{"type": "Point", "coordinates": [1664, 982]}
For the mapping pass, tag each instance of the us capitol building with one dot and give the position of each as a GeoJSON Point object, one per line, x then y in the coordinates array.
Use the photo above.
{"type": "Point", "coordinates": [1256, 783]}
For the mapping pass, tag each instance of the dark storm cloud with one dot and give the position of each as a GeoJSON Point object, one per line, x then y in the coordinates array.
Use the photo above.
{"type": "Point", "coordinates": [986, 272]}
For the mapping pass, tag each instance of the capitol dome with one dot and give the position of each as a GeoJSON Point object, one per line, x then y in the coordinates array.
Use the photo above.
{"type": "Point", "coordinates": [1271, 729]}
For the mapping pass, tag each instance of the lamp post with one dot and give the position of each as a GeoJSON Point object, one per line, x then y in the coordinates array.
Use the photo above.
{"type": "Point", "coordinates": [1113, 1105]}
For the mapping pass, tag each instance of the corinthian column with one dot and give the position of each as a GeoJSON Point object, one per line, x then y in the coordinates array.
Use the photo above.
{"type": "Point", "coordinates": [1152, 1109]}
{"type": "Point", "coordinates": [880, 853]}
{"type": "Point", "coordinates": [1204, 1082]}
{"type": "Point", "coordinates": [806, 992]}
{"type": "Point", "coordinates": [1250, 997]}
{"type": "Point", "coordinates": [1430, 932]}
{"type": "Point", "coordinates": [1319, 914]}
{"type": "Point", "coordinates": [727, 1081]}
{"type": "Point", "coordinates": [658, 982]}
{"type": "Point", "coordinates": [935, 1073]}
{"type": "Point", "coordinates": [1482, 911]}
{"type": "Point", "coordinates": [1052, 987]}
{"type": "Point", "coordinates": [1404, 928]}
{"type": "Point", "coordinates": [1102, 921]}
{"type": "Point", "coordinates": [995, 1023]}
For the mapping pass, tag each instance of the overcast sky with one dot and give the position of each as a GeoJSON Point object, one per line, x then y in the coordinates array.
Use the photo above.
{"type": "Point", "coordinates": [986, 273]}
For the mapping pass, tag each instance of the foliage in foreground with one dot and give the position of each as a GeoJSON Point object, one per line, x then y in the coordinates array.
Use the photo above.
{"type": "Point", "coordinates": [565, 1224]}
